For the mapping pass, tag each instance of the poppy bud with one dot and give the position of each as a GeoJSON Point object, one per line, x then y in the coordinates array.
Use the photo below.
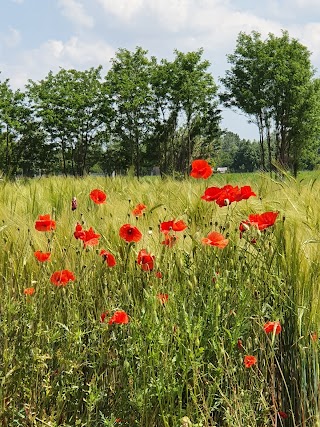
{"type": "Point", "coordinates": [74, 204]}
{"type": "Point", "coordinates": [239, 344]}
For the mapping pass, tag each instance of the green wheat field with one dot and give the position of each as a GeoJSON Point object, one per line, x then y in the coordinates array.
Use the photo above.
{"type": "Point", "coordinates": [162, 343]}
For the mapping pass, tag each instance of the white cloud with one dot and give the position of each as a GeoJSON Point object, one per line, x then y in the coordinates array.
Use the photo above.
{"type": "Point", "coordinates": [11, 38]}
{"type": "Point", "coordinates": [75, 12]}
{"type": "Point", "coordinates": [123, 9]}
{"type": "Point", "coordinates": [307, 3]}
{"type": "Point", "coordinates": [172, 14]}
{"type": "Point", "coordinates": [74, 53]}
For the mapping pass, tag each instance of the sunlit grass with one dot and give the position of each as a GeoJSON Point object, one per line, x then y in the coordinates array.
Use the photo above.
{"type": "Point", "coordinates": [60, 365]}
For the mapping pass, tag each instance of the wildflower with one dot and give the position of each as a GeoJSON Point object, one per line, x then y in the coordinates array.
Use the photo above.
{"type": "Point", "coordinates": [74, 204]}
{"type": "Point", "coordinates": [89, 237]}
{"type": "Point", "coordinates": [201, 169]}
{"type": "Point", "coordinates": [120, 317]}
{"type": "Point", "coordinates": [108, 258]}
{"type": "Point", "coordinates": [244, 193]}
{"type": "Point", "coordinates": [98, 196]}
{"type": "Point", "coordinates": [42, 256]}
{"type": "Point", "coordinates": [139, 209]}
{"type": "Point", "coordinates": [129, 233]}
{"type": "Point", "coordinates": [215, 239]}
{"type": "Point", "coordinates": [145, 260]}
{"type": "Point", "coordinates": [45, 223]}
{"type": "Point", "coordinates": [169, 240]}
{"type": "Point", "coordinates": [158, 275]}
{"type": "Point", "coordinates": [61, 278]}
{"type": "Point", "coordinates": [264, 220]}
{"type": "Point", "coordinates": [163, 298]}
{"type": "Point", "coordinates": [228, 194]}
{"type": "Point", "coordinates": [211, 194]}
{"type": "Point", "coordinates": [166, 227]}
{"type": "Point", "coordinates": [103, 316]}
{"type": "Point", "coordinates": [29, 291]}
{"type": "Point", "coordinates": [272, 327]}
{"type": "Point", "coordinates": [78, 233]}
{"type": "Point", "coordinates": [259, 221]}
{"type": "Point", "coordinates": [249, 361]}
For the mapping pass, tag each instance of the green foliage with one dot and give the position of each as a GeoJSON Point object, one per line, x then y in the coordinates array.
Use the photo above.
{"type": "Point", "coordinates": [272, 82]}
{"type": "Point", "coordinates": [238, 155]}
{"type": "Point", "coordinates": [177, 363]}
{"type": "Point", "coordinates": [69, 105]}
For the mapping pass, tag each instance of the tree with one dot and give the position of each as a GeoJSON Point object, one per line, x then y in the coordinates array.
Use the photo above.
{"type": "Point", "coordinates": [194, 92]}
{"type": "Point", "coordinates": [186, 98]}
{"type": "Point", "coordinates": [128, 85]}
{"type": "Point", "coordinates": [246, 87]}
{"type": "Point", "coordinates": [292, 97]}
{"type": "Point", "coordinates": [23, 143]}
{"type": "Point", "coordinates": [238, 155]}
{"type": "Point", "coordinates": [271, 82]}
{"type": "Point", "coordinates": [69, 104]}
{"type": "Point", "coordinates": [10, 106]}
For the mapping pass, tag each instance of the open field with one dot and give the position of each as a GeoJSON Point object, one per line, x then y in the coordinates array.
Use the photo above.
{"type": "Point", "coordinates": [159, 339]}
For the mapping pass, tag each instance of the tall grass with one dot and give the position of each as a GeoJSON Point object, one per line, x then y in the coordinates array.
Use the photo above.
{"type": "Point", "coordinates": [174, 364]}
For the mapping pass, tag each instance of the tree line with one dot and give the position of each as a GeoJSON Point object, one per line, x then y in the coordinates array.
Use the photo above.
{"type": "Point", "coordinates": [144, 113]}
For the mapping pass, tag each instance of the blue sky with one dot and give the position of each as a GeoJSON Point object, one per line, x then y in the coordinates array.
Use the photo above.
{"type": "Point", "coordinates": [37, 36]}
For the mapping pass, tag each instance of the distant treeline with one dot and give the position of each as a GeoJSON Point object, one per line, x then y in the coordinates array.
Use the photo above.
{"type": "Point", "coordinates": [145, 113]}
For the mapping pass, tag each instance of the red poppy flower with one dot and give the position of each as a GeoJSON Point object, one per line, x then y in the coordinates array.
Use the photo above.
{"type": "Point", "coordinates": [42, 256]}
{"type": "Point", "coordinates": [119, 316]}
{"type": "Point", "coordinates": [163, 298]}
{"type": "Point", "coordinates": [61, 278]}
{"type": "Point", "coordinates": [98, 196]}
{"type": "Point", "coordinates": [249, 361]}
{"type": "Point", "coordinates": [215, 239]}
{"type": "Point", "coordinates": [89, 237]}
{"type": "Point", "coordinates": [79, 232]}
{"type": "Point", "coordinates": [228, 194]}
{"type": "Point", "coordinates": [272, 327]}
{"type": "Point", "coordinates": [129, 233]}
{"type": "Point", "coordinates": [211, 194]}
{"type": "Point", "coordinates": [108, 258]}
{"type": "Point", "coordinates": [29, 291]}
{"type": "Point", "coordinates": [259, 221]}
{"type": "Point", "coordinates": [166, 227]}
{"type": "Point", "coordinates": [201, 169]}
{"type": "Point", "coordinates": [145, 260]}
{"type": "Point", "coordinates": [45, 223]}
{"type": "Point", "coordinates": [159, 275]}
{"type": "Point", "coordinates": [264, 220]}
{"type": "Point", "coordinates": [244, 193]}
{"type": "Point", "coordinates": [103, 316]}
{"type": "Point", "coordinates": [139, 209]}
{"type": "Point", "coordinates": [169, 240]}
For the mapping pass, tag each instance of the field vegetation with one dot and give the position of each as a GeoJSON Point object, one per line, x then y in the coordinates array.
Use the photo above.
{"type": "Point", "coordinates": [176, 335]}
